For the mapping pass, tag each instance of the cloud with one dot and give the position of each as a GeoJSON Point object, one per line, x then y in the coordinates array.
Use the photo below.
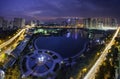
{"type": "Point", "coordinates": [61, 8]}
{"type": "Point", "coordinates": [34, 13]}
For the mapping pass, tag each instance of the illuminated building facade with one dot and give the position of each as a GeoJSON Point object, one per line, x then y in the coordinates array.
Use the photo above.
{"type": "Point", "coordinates": [5, 24]}
{"type": "Point", "coordinates": [19, 22]}
{"type": "Point", "coordinates": [99, 22]}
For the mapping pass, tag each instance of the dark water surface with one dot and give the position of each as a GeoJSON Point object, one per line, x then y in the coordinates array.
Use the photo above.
{"type": "Point", "coordinates": [67, 45]}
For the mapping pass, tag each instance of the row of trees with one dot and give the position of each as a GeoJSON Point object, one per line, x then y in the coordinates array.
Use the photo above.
{"type": "Point", "coordinates": [107, 69]}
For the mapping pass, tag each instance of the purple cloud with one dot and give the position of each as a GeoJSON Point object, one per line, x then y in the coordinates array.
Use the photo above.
{"type": "Point", "coordinates": [59, 8]}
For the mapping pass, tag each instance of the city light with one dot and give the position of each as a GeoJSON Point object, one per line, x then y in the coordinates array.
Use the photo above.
{"type": "Point", "coordinates": [93, 70]}
{"type": "Point", "coordinates": [41, 59]}
{"type": "Point", "coordinates": [60, 39]}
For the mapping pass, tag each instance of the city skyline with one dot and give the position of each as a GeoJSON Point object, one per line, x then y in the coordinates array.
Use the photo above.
{"type": "Point", "coordinates": [59, 39]}
{"type": "Point", "coordinates": [44, 9]}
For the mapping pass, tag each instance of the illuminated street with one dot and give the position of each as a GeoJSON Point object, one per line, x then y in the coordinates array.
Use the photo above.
{"type": "Point", "coordinates": [12, 39]}
{"type": "Point", "coordinates": [59, 39]}
{"type": "Point", "coordinates": [93, 70]}
{"type": "Point", "coordinates": [11, 47]}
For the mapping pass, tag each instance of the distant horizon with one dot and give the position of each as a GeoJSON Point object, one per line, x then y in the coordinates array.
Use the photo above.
{"type": "Point", "coordinates": [55, 18]}
{"type": "Point", "coordinates": [50, 18]}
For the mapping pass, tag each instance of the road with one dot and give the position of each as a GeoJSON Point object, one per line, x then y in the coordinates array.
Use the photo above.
{"type": "Point", "coordinates": [11, 47]}
{"type": "Point", "coordinates": [91, 73]}
{"type": "Point", "coordinates": [4, 44]}
{"type": "Point", "coordinates": [12, 39]}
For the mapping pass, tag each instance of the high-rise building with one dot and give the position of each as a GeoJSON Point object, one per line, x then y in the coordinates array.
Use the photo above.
{"type": "Point", "coordinates": [114, 22]}
{"type": "Point", "coordinates": [11, 25]}
{"type": "Point", "coordinates": [107, 22]}
{"type": "Point", "coordinates": [19, 22]}
{"type": "Point", "coordinates": [94, 22]}
{"type": "Point", "coordinates": [99, 22]}
{"type": "Point", "coordinates": [5, 25]}
{"type": "Point", "coordinates": [87, 22]}
{"type": "Point", "coordinates": [1, 21]}
{"type": "Point", "coordinates": [72, 22]}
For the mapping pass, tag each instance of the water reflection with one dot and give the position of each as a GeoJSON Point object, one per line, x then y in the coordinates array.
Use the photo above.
{"type": "Point", "coordinates": [75, 33]}
{"type": "Point", "coordinates": [67, 45]}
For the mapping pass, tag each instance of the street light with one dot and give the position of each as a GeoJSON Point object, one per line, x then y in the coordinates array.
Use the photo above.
{"type": "Point", "coordinates": [71, 78]}
{"type": "Point", "coordinates": [98, 54]}
{"type": "Point", "coordinates": [84, 70]}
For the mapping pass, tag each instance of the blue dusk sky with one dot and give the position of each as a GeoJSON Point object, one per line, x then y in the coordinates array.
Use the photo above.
{"type": "Point", "coordinates": [59, 8]}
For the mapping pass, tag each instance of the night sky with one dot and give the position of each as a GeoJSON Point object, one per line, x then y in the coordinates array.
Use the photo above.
{"type": "Point", "coordinates": [59, 8]}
